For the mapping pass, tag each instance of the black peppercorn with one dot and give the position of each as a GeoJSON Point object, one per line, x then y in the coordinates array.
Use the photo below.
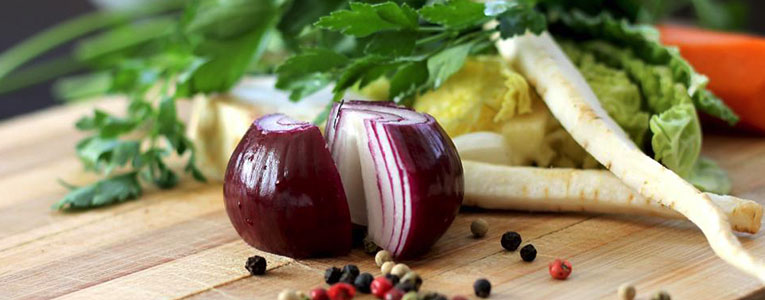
{"type": "Point", "coordinates": [256, 265]}
{"type": "Point", "coordinates": [482, 288]}
{"type": "Point", "coordinates": [392, 278]}
{"type": "Point", "coordinates": [528, 252]}
{"type": "Point", "coordinates": [348, 278]}
{"type": "Point", "coordinates": [511, 240]}
{"type": "Point", "coordinates": [406, 286]}
{"type": "Point", "coordinates": [362, 282]}
{"type": "Point", "coordinates": [332, 275]}
{"type": "Point", "coordinates": [353, 269]}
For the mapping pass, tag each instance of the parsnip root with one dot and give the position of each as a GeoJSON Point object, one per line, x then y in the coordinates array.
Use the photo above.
{"type": "Point", "coordinates": [494, 186]}
{"type": "Point", "coordinates": [575, 105]}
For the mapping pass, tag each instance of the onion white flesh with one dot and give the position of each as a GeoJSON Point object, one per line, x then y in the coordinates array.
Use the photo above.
{"type": "Point", "coordinates": [283, 193]}
{"type": "Point", "coordinates": [575, 105]}
{"type": "Point", "coordinates": [410, 172]}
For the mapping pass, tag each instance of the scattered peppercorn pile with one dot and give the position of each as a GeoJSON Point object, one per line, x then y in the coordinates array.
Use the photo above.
{"type": "Point", "coordinates": [399, 282]}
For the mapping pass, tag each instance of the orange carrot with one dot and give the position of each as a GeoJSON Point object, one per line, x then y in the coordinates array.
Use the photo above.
{"type": "Point", "coordinates": [734, 63]}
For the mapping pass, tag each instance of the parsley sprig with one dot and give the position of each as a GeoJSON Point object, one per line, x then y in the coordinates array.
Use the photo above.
{"type": "Point", "coordinates": [417, 49]}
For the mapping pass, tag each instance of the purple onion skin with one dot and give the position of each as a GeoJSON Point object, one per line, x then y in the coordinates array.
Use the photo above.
{"type": "Point", "coordinates": [283, 193]}
{"type": "Point", "coordinates": [438, 186]}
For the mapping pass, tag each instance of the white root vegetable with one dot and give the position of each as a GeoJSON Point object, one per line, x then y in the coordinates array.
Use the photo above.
{"type": "Point", "coordinates": [574, 104]}
{"type": "Point", "coordinates": [573, 190]}
{"type": "Point", "coordinates": [483, 146]}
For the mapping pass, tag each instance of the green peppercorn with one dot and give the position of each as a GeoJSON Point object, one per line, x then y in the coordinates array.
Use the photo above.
{"type": "Point", "coordinates": [661, 295]}
{"type": "Point", "coordinates": [626, 292]}
{"type": "Point", "coordinates": [410, 296]}
{"type": "Point", "coordinates": [433, 296]}
{"type": "Point", "coordinates": [528, 253]}
{"type": "Point", "coordinates": [415, 279]}
{"type": "Point", "coordinates": [482, 288]}
{"type": "Point", "coordinates": [479, 228]}
{"type": "Point", "coordinates": [510, 240]}
{"type": "Point", "coordinates": [370, 247]}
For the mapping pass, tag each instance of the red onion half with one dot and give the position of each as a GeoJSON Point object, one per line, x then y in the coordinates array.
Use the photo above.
{"type": "Point", "coordinates": [283, 193]}
{"type": "Point", "coordinates": [409, 169]}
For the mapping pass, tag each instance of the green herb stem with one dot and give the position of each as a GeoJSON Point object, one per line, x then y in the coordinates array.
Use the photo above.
{"type": "Point", "coordinates": [72, 29]}
{"type": "Point", "coordinates": [433, 38]}
{"type": "Point", "coordinates": [39, 73]}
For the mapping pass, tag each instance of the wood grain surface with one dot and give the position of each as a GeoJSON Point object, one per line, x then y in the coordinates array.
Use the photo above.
{"type": "Point", "coordinates": [179, 243]}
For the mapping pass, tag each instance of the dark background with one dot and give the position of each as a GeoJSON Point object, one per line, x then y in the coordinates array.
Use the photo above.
{"type": "Point", "coordinates": [22, 18]}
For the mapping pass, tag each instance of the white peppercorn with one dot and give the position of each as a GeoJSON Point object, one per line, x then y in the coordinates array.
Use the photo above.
{"type": "Point", "coordinates": [383, 256]}
{"type": "Point", "coordinates": [387, 267]}
{"type": "Point", "coordinates": [400, 270]}
{"type": "Point", "coordinates": [288, 295]}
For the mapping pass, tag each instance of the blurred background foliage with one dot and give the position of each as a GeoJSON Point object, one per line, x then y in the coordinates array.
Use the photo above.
{"type": "Point", "coordinates": [38, 78]}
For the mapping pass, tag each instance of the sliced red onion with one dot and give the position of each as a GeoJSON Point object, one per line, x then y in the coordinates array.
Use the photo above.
{"type": "Point", "coordinates": [409, 169]}
{"type": "Point", "coordinates": [283, 193]}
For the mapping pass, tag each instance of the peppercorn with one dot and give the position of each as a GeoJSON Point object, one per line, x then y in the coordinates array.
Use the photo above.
{"type": "Point", "coordinates": [387, 267]}
{"type": "Point", "coordinates": [382, 256]}
{"type": "Point", "coordinates": [626, 292]}
{"type": "Point", "coordinates": [479, 228]}
{"type": "Point", "coordinates": [362, 282]}
{"type": "Point", "coordinates": [393, 278]}
{"type": "Point", "coordinates": [319, 294]}
{"type": "Point", "coordinates": [415, 279]}
{"type": "Point", "coordinates": [510, 240]}
{"type": "Point", "coordinates": [394, 294]}
{"type": "Point", "coordinates": [411, 296]}
{"type": "Point", "coordinates": [528, 253]}
{"type": "Point", "coordinates": [482, 288]}
{"type": "Point", "coordinates": [406, 286]}
{"type": "Point", "coordinates": [400, 270]}
{"type": "Point", "coordinates": [559, 269]}
{"type": "Point", "coordinates": [256, 265]}
{"type": "Point", "coordinates": [370, 247]}
{"type": "Point", "coordinates": [433, 296]}
{"type": "Point", "coordinates": [332, 275]}
{"type": "Point", "coordinates": [350, 268]}
{"type": "Point", "coordinates": [661, 295]}
{"type": "Point", "coordinates": [288, 295]}
{"type": "Point", "coordinates": [302, 295]}
{"type": "Point", "coordinates": [349, 274]}
{"type": "Point", "coordinates": [380, 286]}
{"type": "Point", "coordinates": [341, 291]}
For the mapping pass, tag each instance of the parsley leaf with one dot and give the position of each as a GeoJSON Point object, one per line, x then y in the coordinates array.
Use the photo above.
{"type": "Point", "coordinates": [309, 71]}
{"type": "Point", "coordinates": [518, 18]}
{"type": "Point", "coordinates": [447, 62]}
{"type": "Point", "coordinates": [455, 14]}
{"type": "Point", "coordinates": [365, 19]}
{"type": "Point", "coordinates": [408, 80]}
{"type": "Point", "coordinates": [392, 43]}
{"type": "Point", "coordinates": [104, 192]}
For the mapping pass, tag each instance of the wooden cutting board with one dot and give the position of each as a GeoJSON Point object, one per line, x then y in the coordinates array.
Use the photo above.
{"type": "Point", "coordinates": [179, 243]}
